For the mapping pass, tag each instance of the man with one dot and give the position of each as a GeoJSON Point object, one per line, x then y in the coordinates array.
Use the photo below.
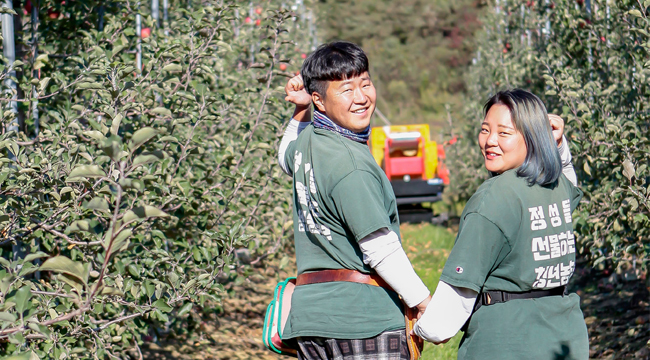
{"type": "Point", "coordinates": [345, 218]}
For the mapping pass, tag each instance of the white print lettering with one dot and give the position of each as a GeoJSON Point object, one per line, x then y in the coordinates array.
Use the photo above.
{"type": "Point", "coordinates": [553, 246]}
{"type": "Point", "coordinates": [537, 218]}
{"type": "Point", "coordinates": [297, 160]}
{"type": "Point", "coordinates": [566, 209]}
{"type": "Point", "coordinates": [553, 275]}
{"type": "Point", "coordinates": [308, 210]}
{"type": "Point", "coordinates": [554, 214]}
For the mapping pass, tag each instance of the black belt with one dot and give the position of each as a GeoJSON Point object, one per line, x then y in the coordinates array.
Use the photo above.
{"type": "Point", "coordinates": [496, 296]}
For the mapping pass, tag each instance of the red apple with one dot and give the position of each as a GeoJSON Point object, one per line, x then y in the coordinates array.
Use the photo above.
{"type": "Point", "coordinates": [505, 51]}
{"type": "Point", "coordinates": [602, 38]}
{"type": "Point", "coordinates": [283, 67]}
{"type": "Point", "coordinates": [258, 22]}
{"type": "Point", "coordinates": [303, 56]}
{"type": "Point", "coordinates": [53, 14]}
{"type": "Point", "coordinates": [258, 10]}
{"type": "Point", "coordinates": [247, 20]}
{"type": "Point", "coordinates": [28, 7]}
{"type": "Point", "coordinates": [145, 33]}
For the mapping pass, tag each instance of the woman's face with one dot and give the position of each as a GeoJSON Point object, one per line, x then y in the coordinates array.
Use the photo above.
{"type": "Point", "coordinates": [503, 147]}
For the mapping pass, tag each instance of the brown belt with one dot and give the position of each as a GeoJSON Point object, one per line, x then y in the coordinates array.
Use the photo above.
{"type": "Point", "coordinates": [324, 276]}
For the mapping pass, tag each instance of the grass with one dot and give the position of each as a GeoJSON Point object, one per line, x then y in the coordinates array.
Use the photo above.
{"type": "Point", "coordinates": [428, 246]}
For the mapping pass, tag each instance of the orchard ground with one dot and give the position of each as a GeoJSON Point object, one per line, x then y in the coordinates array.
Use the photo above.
{"type": "Point", "coordinates": [616, 312]}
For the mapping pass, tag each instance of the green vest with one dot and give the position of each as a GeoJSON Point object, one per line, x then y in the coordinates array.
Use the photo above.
{"type": "Point", "coordinates": [340, 196]}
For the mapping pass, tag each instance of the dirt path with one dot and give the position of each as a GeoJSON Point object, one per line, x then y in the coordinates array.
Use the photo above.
{"type": "Point", "coordinates": [235, 332]}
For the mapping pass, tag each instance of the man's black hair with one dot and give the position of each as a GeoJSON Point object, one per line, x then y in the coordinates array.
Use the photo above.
{"type": "Point", "coordinates": [335, 61]}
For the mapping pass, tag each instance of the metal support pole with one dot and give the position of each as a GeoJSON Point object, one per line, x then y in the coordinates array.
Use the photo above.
{"type": "Point", "coordinates": [9, 47]}
{"type": "Point", "coordinates": [138, 31]}
{"type": "Point", "coordinates": [523, 23]}
{"type": "Point", "coordinates": [100, 25]}
{"type": "Point", "coordinates": [166, 16]}
{"type": "Point", "coordinates": [155, 11]}
{"type": "Point", "coordinates": [35, 73]}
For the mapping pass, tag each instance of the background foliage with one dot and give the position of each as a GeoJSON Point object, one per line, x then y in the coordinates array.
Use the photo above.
{"type": "Point", "coordinates": [418, 51]}
{"type": "Point", "coordinates": [588, 60]}
{"type": "Point", "coordinates": [122, 215]}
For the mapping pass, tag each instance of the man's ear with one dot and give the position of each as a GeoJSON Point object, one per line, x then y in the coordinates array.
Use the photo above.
{"type": "Point", "coordinates": [317, 99]}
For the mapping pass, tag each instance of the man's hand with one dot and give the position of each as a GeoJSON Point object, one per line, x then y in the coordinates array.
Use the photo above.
{"type": "Point", "coordinates": [557, 125]}
{"type": "Point", "coordinates": [296, 92]}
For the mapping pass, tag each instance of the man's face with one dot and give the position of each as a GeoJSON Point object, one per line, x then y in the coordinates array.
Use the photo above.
{"type": "Point", "coordinates": [349, 103]}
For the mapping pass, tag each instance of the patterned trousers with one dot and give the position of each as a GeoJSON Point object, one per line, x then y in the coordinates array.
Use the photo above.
{"type": "Point", "coordinates": [389, 345]}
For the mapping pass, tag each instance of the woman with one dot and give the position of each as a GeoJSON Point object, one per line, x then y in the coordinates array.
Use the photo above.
{"type": "Point", "coordinates": [515, 249]}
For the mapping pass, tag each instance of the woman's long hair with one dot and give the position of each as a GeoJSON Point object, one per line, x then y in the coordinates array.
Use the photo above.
{"type": "Point", "coordinates": [542, 165]}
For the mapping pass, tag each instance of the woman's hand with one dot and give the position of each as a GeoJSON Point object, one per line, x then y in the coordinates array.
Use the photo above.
{"type": "Point", "coordinates": [557, 125]}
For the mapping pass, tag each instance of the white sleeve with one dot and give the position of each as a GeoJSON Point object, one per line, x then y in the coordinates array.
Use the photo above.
{"type": "Point", "coordinates": [448, 310]}
{"type": "Point", "coordinates": [383, 251]}
{"type": "Point", "coordinates": [567, 166]}
{"type": "Point", "coordinates": [291, 133]}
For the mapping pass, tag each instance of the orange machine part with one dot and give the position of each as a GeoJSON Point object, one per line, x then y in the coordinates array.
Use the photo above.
{"type": "Point", "coordinates": [405, 165]}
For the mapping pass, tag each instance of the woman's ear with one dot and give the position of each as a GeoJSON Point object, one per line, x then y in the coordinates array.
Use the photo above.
{"type": "Point", "coordinates": [318, 101]}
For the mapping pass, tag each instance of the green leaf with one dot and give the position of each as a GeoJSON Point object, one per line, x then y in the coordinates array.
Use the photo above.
{"type": "Point", "coordinates": [173, 68]}
{"type": "Point", "coordinates": [147, 159]}
{"type": "Point", "coordinates": [97, 203]}
{"type": "Point", "coordinates": [22, 298]}
{"type": "Point", "coordinates": [62, 264]}
{"type": "Point", "coordinates": [35, 256]}
{"type": "Point", "coordinates": [132, 184]}
{"type": "Point", "coordinates": [90, 85]}
{"type": "Point", "coordinates": [115, 125]}
{"type": "Point", "coordinates": [161, 111]}
{"type": "Point", "coordinates": [85, 171]}
{"type": "Point", "coordinates": [6, 10]}
{"type": "Point", "coordinates": [162, 306]}
{"type": "Point", "coordinates": [143, 212]}
{"type": "Point", "coordinates": [95, 135]}
{"type": "Point", "coordinates": [628, 169]}
{"type": "Point", "coordinates": [141, 136]}
{"type": "Point", "coordinates": [40, 329]}
{"type": "Point", "coordinates": [185, 309]}
{"type": "Point", "coordinates": [111, 291]}
{"type": "Point", "coordinates": [636, 13]}
{"type": "Point", "coordinates": [121, 239]}
{"type": "Point", "coordinates": [21, 356]}
{"type": "Point", "coordinates": [78, 225]}
{"type": "Point", "coordinates": [7, 317]}
{"type": "Point", "coordinates": [42, 85]}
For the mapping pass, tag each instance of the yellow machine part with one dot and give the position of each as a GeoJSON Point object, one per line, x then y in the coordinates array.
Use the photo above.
{"type": "Point", "coordinates": [378, 140]}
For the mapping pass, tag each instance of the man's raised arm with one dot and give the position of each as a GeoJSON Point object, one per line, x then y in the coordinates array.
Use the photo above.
{"type": "Point", "coordinates": [297, 95]}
